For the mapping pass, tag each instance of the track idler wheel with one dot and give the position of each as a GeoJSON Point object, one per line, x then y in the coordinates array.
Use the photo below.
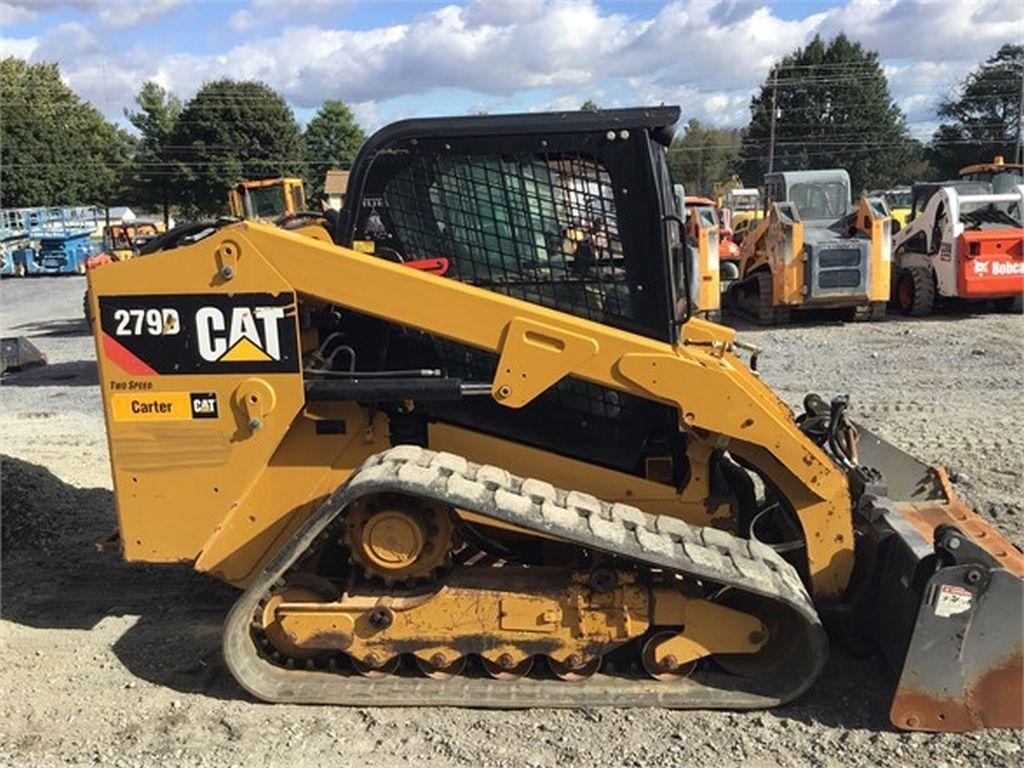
{"type": "Point", "coordinates": [574, 672]}
{"type": "Point", "coordinates": [667, 669]}
{"type": "Point", "coordinates": [375, 668]}
{"type": "Point", "coordinates": [506, 668]}
{"type": "Point", "coordinates": [439, 668]}
{"type": "Point", "coordinates": [307, 590]}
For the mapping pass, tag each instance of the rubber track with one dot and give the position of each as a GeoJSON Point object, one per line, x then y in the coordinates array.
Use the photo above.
{"type": "Point", "coordinates": [655, 541]}
{"type": "Point", "coordinates": [760, 309]}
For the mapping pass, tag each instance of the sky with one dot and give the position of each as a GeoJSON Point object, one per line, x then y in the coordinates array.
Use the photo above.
{"type": "Point", "coordinates": [392, 59]}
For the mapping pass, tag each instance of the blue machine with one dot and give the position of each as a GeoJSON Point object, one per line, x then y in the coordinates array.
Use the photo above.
{"type": "Point", "coordinates": [15, 247]}
{"type": "Point", "coordinates": [47, 241]}
{"type": "Point", "coordinates": [62, 254]}
{"type": "Point", "coordinates": [15, 257]}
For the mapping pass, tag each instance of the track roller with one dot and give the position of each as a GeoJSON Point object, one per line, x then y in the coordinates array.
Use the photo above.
{"type": "Point", "coordinates": [507, 669]}
{"type": "Point", "coordinates": [439, 668]}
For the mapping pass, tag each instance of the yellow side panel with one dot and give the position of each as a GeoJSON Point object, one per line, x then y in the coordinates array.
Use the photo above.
{"type": "Point", "coordinates": [302, 473]}
{"type": "Point", "coordinates": [881, 259]}
{"type": "Point", "coordinates": [790, 280]}
{"type": "Point", "coordinates": [177, 474]}
{"type": "Point", "coordinates": [709, 298]}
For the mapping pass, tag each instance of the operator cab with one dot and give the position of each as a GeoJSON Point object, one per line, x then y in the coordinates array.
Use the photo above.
{"type": "Point", "coordinates": [922, 192]}
{"type": "Point", "coordinates": [817, 195]}
{"type": "Point", "coordinates": [837, 257]}
{"type": "Point", "coordinates": [573, 211]}
{"type": "Point", "coordinates": [742, 200]}
{"type": "Point", "coordinates": [267, 199]}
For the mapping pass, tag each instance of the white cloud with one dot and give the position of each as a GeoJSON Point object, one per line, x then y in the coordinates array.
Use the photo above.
{"type": "Point", "coordinates": [21, 47]}
{"type": "Point", "coordinates": [71, 39]}
{"type": "Point", "coordinates": [15, 12]}
{"type": "Point", "coordinates": [709, 56]}
{"type": "Point", "coordinates": [274, 13]}
{"type": "Point", "coordinates": [242, 20]}
{"type": "Point", "coordinates": [918, 86]}
{"type": "Point", "coordinates": [119, 14]}
{"type": "Point", "coordinates": [929, 30]}
{"type": "Point", "coordinates": [116, 14]}
{"type": "Point", "coordinates": [500, 12]}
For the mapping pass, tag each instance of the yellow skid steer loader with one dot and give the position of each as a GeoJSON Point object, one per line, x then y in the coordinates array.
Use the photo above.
{"type": "Point", "coordinates": [464, 446]}
{"type": "Point", "coordinates": [814, 250]}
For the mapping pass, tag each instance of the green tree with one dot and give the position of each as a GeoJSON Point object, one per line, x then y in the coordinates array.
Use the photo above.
{"type": "Point", "coordinates": [55, 149]}
{"type": "Point", "coordinates": [983, 118]}
{"type": "Point", "coordinates": [333, 137]}
{"type": "Point", "coordinates": [832, 110]}
{"type": "Point", "coordinates": [228, 132]}
{"type": "Point", "coordinates": [153, 164]}
{"type": "Point", "coordinates": [589, 106]}
{"type": "Point", "coordinates": [702, 156]}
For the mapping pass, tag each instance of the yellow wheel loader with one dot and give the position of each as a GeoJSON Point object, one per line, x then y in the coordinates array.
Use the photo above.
{"type": "Point", "coordinates": [814, 250]}
{"type": "Point", "coordinates": [267, 199]}
{"type": "Point", "coordinates": [455, 453]}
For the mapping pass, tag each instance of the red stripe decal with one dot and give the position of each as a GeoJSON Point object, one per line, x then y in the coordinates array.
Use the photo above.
{"type": "Point", "coordinates": [123, 359]}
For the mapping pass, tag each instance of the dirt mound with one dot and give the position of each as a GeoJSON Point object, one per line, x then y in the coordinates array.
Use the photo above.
{"type": "Point", "coordinates": [40, 511]}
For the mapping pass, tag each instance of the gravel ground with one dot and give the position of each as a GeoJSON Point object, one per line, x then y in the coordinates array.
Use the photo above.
{"type": "Point", "coordinates": [105, 662]}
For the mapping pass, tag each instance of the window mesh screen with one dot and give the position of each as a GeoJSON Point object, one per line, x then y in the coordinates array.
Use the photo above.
{"type": "Point", "coordinates": [536, 227]}
{"type": "Point", "coordinates": [539, 228]}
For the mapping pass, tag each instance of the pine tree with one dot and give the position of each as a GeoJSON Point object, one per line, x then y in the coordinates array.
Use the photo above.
{"type": "Point", "coordinates": [833, 110]}
{"type": "Point", "coordinates": [152, 165]}
{"type": "Point", "coordinates": [229, 132]}
{"type": "Point", "coordinates": [333, 137]}
{"type": "Point", "coordinates": [983, 119]}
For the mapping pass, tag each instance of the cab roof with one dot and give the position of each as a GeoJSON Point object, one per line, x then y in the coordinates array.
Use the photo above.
{"type": "Point", "coordinates": [997, 164]}
{"type": "Point", "coordinates": [693, 200]}
{"type": "Point", "coordinates": [803, 177]}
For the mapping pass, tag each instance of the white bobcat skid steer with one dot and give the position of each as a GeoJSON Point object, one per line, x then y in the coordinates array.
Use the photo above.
{"type": "Point", "coordinates": [962, 242]}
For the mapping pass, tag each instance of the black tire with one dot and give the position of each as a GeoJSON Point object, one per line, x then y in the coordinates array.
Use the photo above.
{"type": "Point", "coordinates": [915, 291]}
{"type": "Point", "coordinates": [1010, 304]}
{"type": "Point", "coordinates": [87, 308]}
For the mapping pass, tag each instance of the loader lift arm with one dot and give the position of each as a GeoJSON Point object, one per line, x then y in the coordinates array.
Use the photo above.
{"type": "Point", "coordinates": [714, 391]}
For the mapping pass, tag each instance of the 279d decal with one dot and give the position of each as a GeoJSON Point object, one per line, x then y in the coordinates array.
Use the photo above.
{"type": "Point", "coordinates": [188, 334]}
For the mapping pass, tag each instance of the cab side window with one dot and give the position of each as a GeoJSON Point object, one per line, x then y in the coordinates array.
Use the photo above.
{"type": "Point", "coordinates": [937, 226]}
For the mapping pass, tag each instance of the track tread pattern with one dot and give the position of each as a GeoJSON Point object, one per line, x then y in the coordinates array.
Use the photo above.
{"type": "Point", "coordinates": [618, 529]}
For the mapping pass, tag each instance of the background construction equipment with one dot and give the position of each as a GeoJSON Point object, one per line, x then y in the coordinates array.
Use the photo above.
{"type": "Point", "coordinates": [814, 250]}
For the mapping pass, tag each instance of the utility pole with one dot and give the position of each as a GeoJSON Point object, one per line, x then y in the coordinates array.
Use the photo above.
{"type": "Point", "coordinates": [1019, 150]}
{"type": "Point", "coordinates": [771, 129]}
